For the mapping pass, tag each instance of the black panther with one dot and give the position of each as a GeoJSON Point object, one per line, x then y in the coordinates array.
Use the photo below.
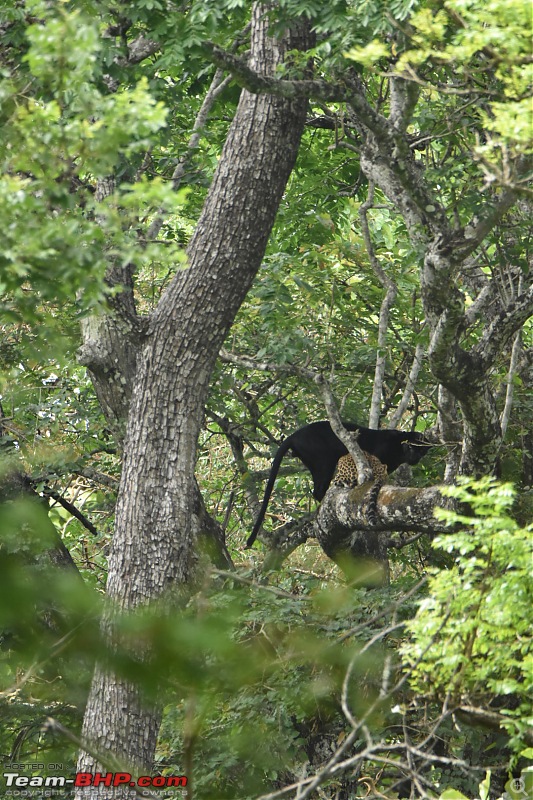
{"type": "Point", "coordinates": [319, 449]}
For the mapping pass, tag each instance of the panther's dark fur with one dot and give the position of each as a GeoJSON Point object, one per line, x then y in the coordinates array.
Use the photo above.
{"type": "Point", "coordinates": [319, 449]}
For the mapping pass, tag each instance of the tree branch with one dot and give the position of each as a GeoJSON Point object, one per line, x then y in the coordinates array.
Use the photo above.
{"type": "Point", "coordinates": [257, 83]}
{"type": "Point", "coordinates": [141, 48]}
{"type": "Point", "coordinates": [391, 290]}
{"type": "Point", "coordinates": [502, 327]}
{"type": "Point", "coordinates": [349, 91]}
{"type": "Point", "coordinates": [71, 508]}
{"type": "Point", "coordinates": [218, 84]}
{"type": "Point", "coordinates": [403, 98]}
{"type": "Point", "coordinates": [400, 509]}
{"type": "Point", "coordinates": [513, 367]}
{"type": "Point", "coordinates": [489, 719]}
{"type": "Point", "coordinates": [348, 438]}
{"type": "Point", "coordinates": [409, 386]}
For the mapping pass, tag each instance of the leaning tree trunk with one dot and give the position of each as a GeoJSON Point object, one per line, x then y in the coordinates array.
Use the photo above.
{"type": "Point", "coordinates": [153, 547]}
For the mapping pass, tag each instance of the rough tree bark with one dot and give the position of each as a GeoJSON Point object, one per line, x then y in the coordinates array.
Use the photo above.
{"type": "Point", "coordinates": [154, 544]}
{"type": "Point", "coordinates": [342, 530]}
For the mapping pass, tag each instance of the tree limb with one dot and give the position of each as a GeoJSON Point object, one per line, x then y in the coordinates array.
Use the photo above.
{"type": "Point", "coordinates": [409, 386]}
{"type": "Point", "coordinates": [218, 84]}
{"type": "Point", "coordinates": [71, 508]}
{"type": "Point", "coordinates": [391, 290]}
{"type": "Point", "coordinates": [513, 368]}
{"type": "Point", "coordinates": [503, 326]}
{"type": "Point", "coordinates": [489, 719]}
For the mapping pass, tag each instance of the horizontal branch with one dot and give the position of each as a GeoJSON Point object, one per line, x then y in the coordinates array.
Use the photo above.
{"type": "Point", "coordinates": [139, 49]}
{"type": "Point", "coordinates": [346, 92]}
{"type": "Point", "coordinates": [248, 362]}
{"type": "Point", "coordinates": [400, 509]}
{"type": "Point", "coordinates": [487, 718]}
{"type": "Point", "coordinates": [257, 83]}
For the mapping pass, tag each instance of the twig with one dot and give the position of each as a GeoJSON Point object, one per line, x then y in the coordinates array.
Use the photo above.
{"type": "Point", "coordinates": [390, 609]}
{"type": "Point", "coordinates": [334, 765]}
{"type": "Point", "coordinates": [249, 582]}
{"type": "Point", "coordinates": [399, 545]}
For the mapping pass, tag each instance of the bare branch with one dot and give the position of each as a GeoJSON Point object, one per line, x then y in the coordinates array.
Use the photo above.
{"type": "Point", "coordinates": [403, 98]}
{"type": "Point", "coordinates": [247, 362]}
{"type": "Point", "coordinates": [257, 83]}
{"type": "Point", "coordinates": [348, 438]}
{"type": "Point", "coordinates": [218, 84]}
{"type": "Point", "coordinates": [386, 305]}
{"type": "Point", "coordinates": [480, 303]}
{"type": "Point", "coordinates": [349, 91]}
{"type": "Point", "coordinates": [409, 386]}
{"type": "Point", "coordinates": [490, 719]}
{"type": "Point", "coordinates": [401, 508]}
{"type": "Point", "coordinates": [97, 477]}
{"type": "Point", "coordinates": [141, 48]}
{"type": "Point", "coordinates": [234, 576]}
{"type": "Point", "coordinates": [513, 367]}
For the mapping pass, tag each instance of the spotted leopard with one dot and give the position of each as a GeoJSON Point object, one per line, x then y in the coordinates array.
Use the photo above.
{"type": "Point", "coordinates": [346, 475]}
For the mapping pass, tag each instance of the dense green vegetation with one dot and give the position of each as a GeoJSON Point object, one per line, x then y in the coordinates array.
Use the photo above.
{"type": "Point", "coordinates": [269, 677]}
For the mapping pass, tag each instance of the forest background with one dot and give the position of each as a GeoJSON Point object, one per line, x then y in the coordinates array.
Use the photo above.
{"type": "Point", "coordinates": [219, 223]}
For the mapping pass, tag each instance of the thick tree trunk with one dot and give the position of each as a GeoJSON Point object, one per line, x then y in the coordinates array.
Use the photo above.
{"type": "Point", "coordinates": [154, 547]}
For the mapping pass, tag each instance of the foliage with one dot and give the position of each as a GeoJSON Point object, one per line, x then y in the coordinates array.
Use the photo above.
{"type": "Point", "coordinates": [260, 695]}
{"type": "Point", "coordinates": [470, 638]}
{"type": "Point", "coordinates": [252, 675]}
{"type": "Point", "coordinates": [470, 37]}
{"type": "Point", "coordinates": [249, 675]}
{"type": "Point", "coordinates": [49, 634]}
{"type": "Point", "coordinates": [56, 142]}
